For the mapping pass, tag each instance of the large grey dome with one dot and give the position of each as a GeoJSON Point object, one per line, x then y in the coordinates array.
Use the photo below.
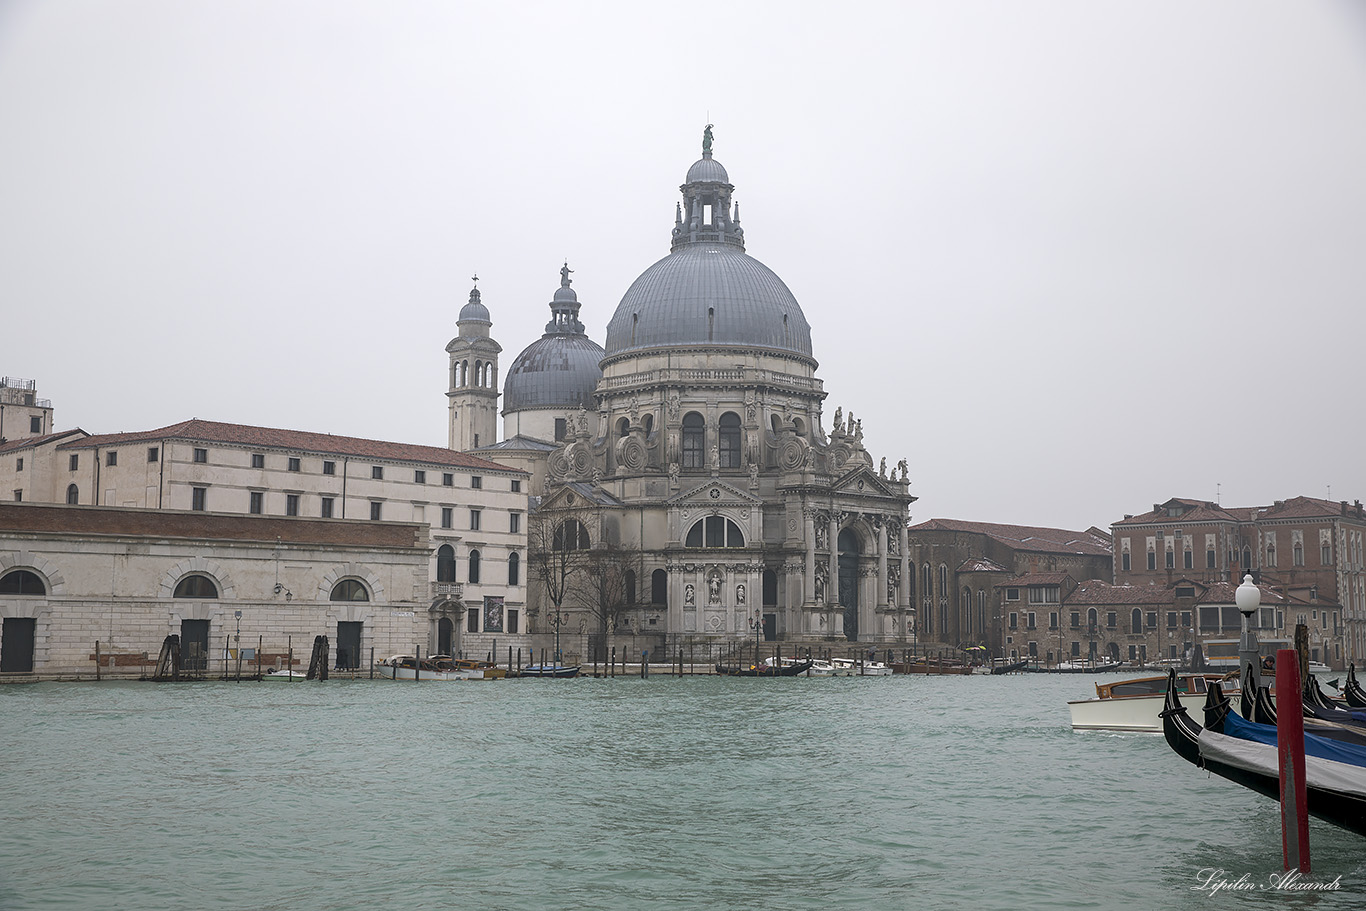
{"type": "Point", "coordinates": [709, 294]}
{"type": "Point", "coordinates": [708, 170]}
{"type": "Point", "coordinates": [560, 369]}
{"type": "Point", "coordinates": [554, 371]}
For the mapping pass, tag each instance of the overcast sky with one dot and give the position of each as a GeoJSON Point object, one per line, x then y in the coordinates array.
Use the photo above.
{"type": "Point", "coordinates": [1068, 258]}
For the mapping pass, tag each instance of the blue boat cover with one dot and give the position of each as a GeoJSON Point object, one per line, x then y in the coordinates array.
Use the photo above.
{"type": "Point", "coordinates": [1322, 747]}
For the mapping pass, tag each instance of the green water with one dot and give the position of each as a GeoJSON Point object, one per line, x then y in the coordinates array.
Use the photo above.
{"type": "Point", "coordinates": [666, 793]}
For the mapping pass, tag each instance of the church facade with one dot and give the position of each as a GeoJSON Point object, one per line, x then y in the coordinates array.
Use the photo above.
{"type": "Point", "coordinates": [688, 486]}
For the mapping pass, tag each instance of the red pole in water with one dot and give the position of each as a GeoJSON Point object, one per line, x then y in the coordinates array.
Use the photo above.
{"type": "Point", "coordinates": [1290, 746]}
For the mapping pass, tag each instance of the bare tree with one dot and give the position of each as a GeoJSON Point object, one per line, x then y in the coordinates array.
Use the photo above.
{"type": "Point", "coordinates": [558, 552]}
{"type": "Point", "coordinates": [607, 585]}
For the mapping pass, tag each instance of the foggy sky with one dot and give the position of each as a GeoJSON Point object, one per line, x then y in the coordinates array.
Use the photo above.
{"type": "Point", "coordinates": [1068, 258]}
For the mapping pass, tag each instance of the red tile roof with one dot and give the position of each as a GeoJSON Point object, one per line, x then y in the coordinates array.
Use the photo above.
{"type": "Point", "coordinates": [980, 565]}
{"type": "Point", "coordinates": [1094, 591]}
{"type": "Point", "coordinates": [1037, 579]}
{"type": "Point", "coordinates": [30, 442]}
{"type": "Point", "coordinates": [198, 431]}
{"type": "Point", "coordinates": [1196, 511]}
{"type": "Point", "coordinates": [1027, 537]}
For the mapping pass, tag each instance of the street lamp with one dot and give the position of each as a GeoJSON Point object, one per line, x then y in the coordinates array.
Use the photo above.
{"type": "Point", "coordinates": [1248, 597]}
{"type": "Point", "coordinates": [756, 624]}
{"type": "Point", "coordinates": [237, 641]}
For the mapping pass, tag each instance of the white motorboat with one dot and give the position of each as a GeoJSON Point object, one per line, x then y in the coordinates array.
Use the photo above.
{"type": "Point", "coordinates": [819, 666]}
{"type": "Point", "coordinates": [436, 668]}
{"type": "Point", "coordinates": [1136, 704]}
{"type": "Point", "coordinates": [283, 674]}
{"type": "Point", "coordinates": [848, 667]}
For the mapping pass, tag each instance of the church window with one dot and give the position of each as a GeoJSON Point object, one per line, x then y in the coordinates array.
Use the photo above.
{"type": "Point", "coordinates": [694, 441]}
{"type": "Point", "coordinates": [349, 590]}
{"type": "Point", "coordinates": [571, 535]}
{"type": "Point", "coordinates": [22, 582]}
{"type": "Point", "coordinates": [729, 439]}
{"type": "Point", "coordinates": [659, 587]}
{"type": "Point", "coordinates": [196, 587]}
{"type": "Point", "coordinates": [474, 566]}
{"type": "Point", "coordinates": [715, 531]}
{"type": "Point", "coordinates": [73, 495]}
{"type": "Point", "coordinates": [514, 568]}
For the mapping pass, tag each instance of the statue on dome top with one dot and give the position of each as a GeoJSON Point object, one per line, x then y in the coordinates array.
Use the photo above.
{"type": "Point", "coordinates": [565, 280]}
{"type": "Point", "coordinates": [706, 140]}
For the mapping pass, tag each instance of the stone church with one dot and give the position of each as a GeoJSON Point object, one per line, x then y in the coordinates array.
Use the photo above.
{"type": "Point", "coordinates": [687, 458]}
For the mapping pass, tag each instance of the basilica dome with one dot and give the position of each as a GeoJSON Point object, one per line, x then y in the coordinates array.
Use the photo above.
{"type": "Point", "coordinates": [708, 292]}
{"type": "Point", "coordinates": [560, 369]}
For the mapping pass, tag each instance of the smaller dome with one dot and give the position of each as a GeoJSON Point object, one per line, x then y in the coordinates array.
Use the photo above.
{"type": "Point", "coordinates": [707, 170]}
{"type": "Point", "coordinates": [567, 294]}
{"type": "Point", "coordinates": [474, 311]}
{"type": "Point", "coordinates": [555, 371]}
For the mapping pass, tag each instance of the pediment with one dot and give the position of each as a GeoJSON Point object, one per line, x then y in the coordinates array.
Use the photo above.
{"type": "Point", "coordinates": [715, 493]}
{"type": "Point", "coordinates": [577, 495]}
{"type": "Point", "coordinates": [864, 482]}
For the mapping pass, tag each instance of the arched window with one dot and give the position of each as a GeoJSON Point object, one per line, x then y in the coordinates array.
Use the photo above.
{"type": "Point", "coordinates": [659, 587]}
{"type": "Point", "coordinates": [196, 587]}
{"type": "Point", "coordinates": [445, 563]}
{"type": "Point", "coordinates": [631, 587]}
{"type": "Point", "coordinates": [929, 581]}
{"type": "Point", "coordinates": [799, 426]}
{"type": "Point", "coordinates": [623, 427]}
{"type": "Point", "coordinates": [474, 566]}
{"type": "Point", "coordinates": [514, 568]}
{"type": "Point", "coordinates": [649, 424]}
{"type": "Point", "coordinates": [349, 590]}
{"type": "Point", "coordinates": [1136, 621]}
{"type": "Point", "coordinates": [770, 587]}
{"type": "Point", "coordinates": [1092, 618]}
{"type": "Point", "coordinates": [728, 437]}
{"type": "Point", "coordinates": [1271, 555]}
{"type": "Point", "coordinates": [73, 495]}
{"type": "Point", "coordinates": [694, 441]}
{"type": "Point", "coordinates": [967, 611]}
{"type": "Point", "coordinates": [22, 582]}
{"type": "Point", "coordinates": [715, 531]}
{"type": "Point", "coordinates": [571, 535]}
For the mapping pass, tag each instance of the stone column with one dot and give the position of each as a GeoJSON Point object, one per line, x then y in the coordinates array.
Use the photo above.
{"type": "Point", "coordinates": [903, 596]}
{"type": "Point", "coordinates": [809, 575]}
{"type": "Point", "coordinates": [832, 589]}
{"type": "Point", "coordinates": [881, 534]}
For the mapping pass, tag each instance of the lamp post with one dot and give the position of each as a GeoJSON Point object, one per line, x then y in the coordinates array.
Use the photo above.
{"type": "Point", "coordinates": [1248, 598]}
{"type": "Point", "coordinates": [237, 642]}
{"type": "Point", "coordinates": [757, 624]}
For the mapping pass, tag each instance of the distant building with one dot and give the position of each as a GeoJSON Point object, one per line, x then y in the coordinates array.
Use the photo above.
{"type": "Point", "coordinates": [960, 566]}
{"type": "Point", "coordinates": [1308, 550]}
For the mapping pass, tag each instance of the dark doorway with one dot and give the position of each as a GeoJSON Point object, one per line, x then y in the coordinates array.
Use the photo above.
{"type": "Point", "coordinates": [194, 645]}
{"type": "Point", "coordinates": [16, 645]}
{"type": "Point", "coordinates": [770, 627]}
{"type": "Point", "coordinates": [848, 569]}
{"type": "Point", "coordinates": [348, 644]}
{"type": "Point", "coordinates": [445, 632]}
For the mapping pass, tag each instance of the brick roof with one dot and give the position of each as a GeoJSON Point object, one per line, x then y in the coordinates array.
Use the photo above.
{"type": "Point", "coordinates": [1037, 579]}
{"type": "Point", "coordinates": [1094, 591]}
{"type": "Point", "coordinates": [1306, 508]}
{"type": "Point", "coordinates": [38, 518]}
{"type": "Point", "coordinates": [1203, 511]}
{"type": "Point", "coordinates": [980, 565]}
{"type": "Point", "coordinates": [1196, 511]}
{"type": "Point", "coordinates": [30, 442]}
{"type": "Point", "coordinates": [1028, 537]}
{"type": "Point", "coordinates": [195, 430]}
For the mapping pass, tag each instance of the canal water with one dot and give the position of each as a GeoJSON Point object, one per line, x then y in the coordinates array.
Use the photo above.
{"type": "Point", "coordinates": [666, 793]}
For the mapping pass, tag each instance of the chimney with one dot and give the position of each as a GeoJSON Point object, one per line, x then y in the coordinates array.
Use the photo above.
{"type": "Point", "coordinates": [1278, 504]}
{"type": "Point", "coordinates": [1344, 506]}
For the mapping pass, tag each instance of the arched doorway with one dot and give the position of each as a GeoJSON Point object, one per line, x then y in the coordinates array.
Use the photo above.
{"type": "Point", "coordinates": [445, 636]}
{"type": "Point", "coordinates": [848, 568]}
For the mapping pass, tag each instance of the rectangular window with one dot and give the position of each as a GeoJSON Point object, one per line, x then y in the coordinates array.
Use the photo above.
{"type": "Point", "coordinates": [18, 496]}
{"type": "Point", "coordinates": [515, 522]}
{"type": "Point", "coordinates": [1124, 560]}
{"type": "Point", "coordinates": [419, 477]}
{"type": "Point", "coordinates": [74, 462]}
{"type": "Point", "coordinates": [1188, 559]}
{"type": "Point", "coordinates": [476, 481]}
{"type": "Point", "coordinates": [198, 495]}
{"type": "Point", "coordinates": [1185, 619]}
{"type": "Point", "coordinates": [327, 508]}
{"type": "Point", "coordinates": [294, 463]}
{"type": "Point", "coordinates": [375, 509]}
{"type": "Point", "coordinates": [19, 466]}
{"type": "Point", "coordinates": [561, 429]}
{"type": "Point", "coordinates": [377, 472]}
{"type": "Point", "coordinates": [1152, 619]}
{"type": "Point", "coordinates": [474, 520]}
{"type": "Point", "coordinates": [1171, 619]}
{"type": "Point", "coordinates": [1014, 620]}
{"type": "Point", "coordinates": [153, 453]}
{"type": "Point", "coordinates": [111, 458]}
{"type": "Point", "coordinates": [1076, 649]}
{"type": "Point", "coordinates": [329, 467]}
{"type": "Point", "coordinates": [512, 620]}
{"type": "Point", "coordinates": [200, 455]}
{"type": "Point", "coordinates": [516, 486]}
{"type": "Point", "coordinates": [1053, 620]}
{"type": "Point", "coordinates": [1152, 560]}
{"type": "Point", "coordinates": [448, 480]}
{"type": "Point", "coordinates": [1209, 559]}
{"type": "Point", "coordinates": [447, 517]}
{"type": "Point", "coordinates": [1033, 623]}
{"type": "Point", "coordinates": [1325, 552]}
{"type": "Point", "coordinates": [472, 620]}
{"type": "Point", "coordinates": [1185, 591]}
{"type": "Point", "coordinates": [35, 424]}
{"type": "Point", "coordinates": [292, 504]}
{"type": "Point", "coordinates": [1076, 620]}
{"type": "Point", "coordinates": [1110, 620]}
{"type": "Point", "coordinates": [257, 503]}
{"type": "Point", "coordinates": [1171, 560]}
{"type": "Point", "coordinates": [258, 460]}
{"type": "Point", "coordinates": [1012, 594]}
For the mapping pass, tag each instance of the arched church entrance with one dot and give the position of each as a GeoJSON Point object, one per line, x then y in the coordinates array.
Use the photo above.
{"type": "Point", "coordinates": [848, 568]}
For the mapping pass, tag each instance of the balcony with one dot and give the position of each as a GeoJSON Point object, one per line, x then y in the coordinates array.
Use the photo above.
{"type": "Point", "coordinates": [449, 590]}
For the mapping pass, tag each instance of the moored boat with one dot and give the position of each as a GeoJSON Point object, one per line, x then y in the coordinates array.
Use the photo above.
{"type": "Point", "coordinates": [1136, 704]}
{"type": "Point", "coordinates": [795, 669]}
{"type": "Point", "coordinates": [436, 668]}
{"type": "Point", "coordinates": [1336, 788]}
{"type": "Point", "coordinates": [851, 667]}
{"type": "Point", "coordinates": [283, 674]}
{"type": "Point", "coordinates": [930, 666]}
{"type": "Point", "coordinates": [549, 670]}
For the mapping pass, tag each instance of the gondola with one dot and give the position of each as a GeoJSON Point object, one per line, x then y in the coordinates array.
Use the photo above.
{"type": "Point", "coordinates": [1329, 721]}
{"type": "Point", "coordinates": [1352, 692]}
{"type": "Point", "coordinates": [1337, 789]}
{"type": "Point", "coordinates": [764, 670]}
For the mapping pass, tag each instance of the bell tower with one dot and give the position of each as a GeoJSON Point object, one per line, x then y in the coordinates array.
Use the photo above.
{"type": "Point", "coordinates": [473, 378]}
